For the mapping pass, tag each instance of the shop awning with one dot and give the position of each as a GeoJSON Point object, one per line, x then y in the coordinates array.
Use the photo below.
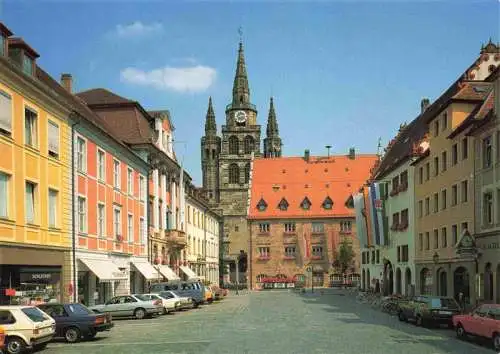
{"type": "Point", "coordinates": [168, 272]}
{"type": "Point", "coordinates": [189, 273]}
{"type": "Point", "coordinates": [146, 269]}
{"type": "Point", "coordinates": [105, 270]}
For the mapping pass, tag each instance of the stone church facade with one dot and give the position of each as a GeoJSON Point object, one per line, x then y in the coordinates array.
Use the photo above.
{"type": "Point", "coordinates": [226, 162]}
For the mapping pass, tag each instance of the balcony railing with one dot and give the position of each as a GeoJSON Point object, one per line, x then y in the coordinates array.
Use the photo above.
{"type": "Point", "coordinates": [241, 106]}
{"type": "Point", "coordinates": [176, 237]}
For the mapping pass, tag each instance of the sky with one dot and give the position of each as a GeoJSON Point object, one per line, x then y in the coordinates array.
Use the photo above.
{"type": "Point", "coordinates": [342, 73]}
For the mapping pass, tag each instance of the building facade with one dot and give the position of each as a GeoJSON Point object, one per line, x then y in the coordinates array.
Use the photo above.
{"type": "Point", "coordinates": [298, 218]}
{"type": "Point", "coordinates": [226, 165]}
{"type": "Point", "coordinates": [203, 225]}
{"type": "Point", "coordinates": [35, 180]}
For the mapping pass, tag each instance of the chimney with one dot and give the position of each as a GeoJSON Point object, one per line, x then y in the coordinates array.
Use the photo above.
{"type": "Point", "coordinates": [352, 153]}
{"type": "Point", "coordinates": [306, 154]}
{"type": "Point", "coordinates": [67, 82]}
{"type": "Point", "coordinates": [424, 104]}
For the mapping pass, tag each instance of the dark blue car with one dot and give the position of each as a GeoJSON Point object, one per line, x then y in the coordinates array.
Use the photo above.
{"type": "Point", "coordinates": [76, 321]}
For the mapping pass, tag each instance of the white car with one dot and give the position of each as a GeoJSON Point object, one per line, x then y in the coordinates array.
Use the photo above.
{"type": "Point", "coordinates": [186, 302]}
{"type": "Point", "coordinates": [26, 327]}
{"type": "Point", "coordinates": [169, 305]}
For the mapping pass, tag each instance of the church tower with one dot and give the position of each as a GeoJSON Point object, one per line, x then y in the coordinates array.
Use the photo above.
{"type": "Point", "coordinates": [210, 150]}
{"type": "Point", "coordinates": [272, 142]}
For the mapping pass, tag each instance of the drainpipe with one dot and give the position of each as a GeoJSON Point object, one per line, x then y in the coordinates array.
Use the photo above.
{"type": "Point", "coordinates": [73, 191]}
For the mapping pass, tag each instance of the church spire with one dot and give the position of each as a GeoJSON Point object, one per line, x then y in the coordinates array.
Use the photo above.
{"type": "Point", "coordinates": [272, 123]}
{"type": "Point", "coordinates": [210, 125]}
{"type": "Point", "coordinates": [241, 91]}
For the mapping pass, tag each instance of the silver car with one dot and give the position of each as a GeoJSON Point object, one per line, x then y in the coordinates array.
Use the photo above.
{"type": "Point", "coordinates": [128, 306]}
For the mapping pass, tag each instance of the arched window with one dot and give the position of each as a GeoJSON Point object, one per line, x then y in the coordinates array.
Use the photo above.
{"type": "Point", "coordinates": [234, 145]}
{"type": "Point", "coordinates": [249, 144]}
{"type": "Point", "coordinates": [247, 172]}
{"type": "Point", "coordinates": [234, 173]}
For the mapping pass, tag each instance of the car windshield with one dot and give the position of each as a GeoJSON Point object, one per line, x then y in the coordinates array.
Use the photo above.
{"type": "Point", "coordinates": [79, 309]}
{"type": "Point", "coordinates": [444, 303]}
{"type": "Point", "coordinates": [35, 314]}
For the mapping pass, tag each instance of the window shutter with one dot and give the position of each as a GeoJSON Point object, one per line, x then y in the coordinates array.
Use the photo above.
{"type": "Point", "coordinates": [53, 137]}
{"type": "Point", "coordinates": [5, 112]}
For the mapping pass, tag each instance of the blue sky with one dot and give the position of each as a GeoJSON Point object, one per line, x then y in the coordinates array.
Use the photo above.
{"type": "Point", "coordinates": [342, 73]}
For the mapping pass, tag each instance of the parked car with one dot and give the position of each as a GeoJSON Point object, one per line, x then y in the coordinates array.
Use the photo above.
{"type": "Point", "coordinates": [186, 302]}
{"type": "Point", "coordinates": [129, 305]}
{"type": "Point", "coordinates": [484, 321]}
{"type": "Point", "coordinates": [209, 297]}
{"type": "Point", "coordinates": [193, 289]}
{"type": "Point", "coordinates": [76, 321]}
{"type": "Point", "coordinates": [169, 305]}
{"type": "Point", "coordinates": [429, 310]}
{"type": "Point", "coordinates": [26, 327]}
{"type": "Point", "coordinates": [2, 339]}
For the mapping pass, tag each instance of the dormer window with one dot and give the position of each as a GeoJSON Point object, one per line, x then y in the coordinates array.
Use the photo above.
{"type": "Point", "coordinates": [23, 55]}
{"type": "Point", "coordinates": [328, 203]}
{"type": "Point", "coordinates": [262, 205]}
{"type": "Point", "coordinates": [306, 204]}
{"type": "Point", "coordinates": [283, 205]}
{"type": "Point", "coordinates": [27, 65]}
{"type": "Point", "coordinates": [4, 34]}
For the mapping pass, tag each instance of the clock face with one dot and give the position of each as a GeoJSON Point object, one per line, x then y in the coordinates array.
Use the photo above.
{"type": "Point", "coordinates": [240, 117]}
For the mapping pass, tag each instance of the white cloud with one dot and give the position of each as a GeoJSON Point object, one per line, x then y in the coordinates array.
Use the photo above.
{"type": "Point", "coordinates": [182, 79]}
{"type": "Point", "coordinates": [137, 29]}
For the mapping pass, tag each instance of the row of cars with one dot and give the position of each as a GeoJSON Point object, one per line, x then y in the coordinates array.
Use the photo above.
{"type": "Point", "coordinates": [483, 321]}
{"type": "Point", "coordinates": [30, 327]}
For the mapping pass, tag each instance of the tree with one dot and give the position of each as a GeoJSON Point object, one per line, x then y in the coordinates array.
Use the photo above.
{"type": "Point", "coordinates": [345, 256]}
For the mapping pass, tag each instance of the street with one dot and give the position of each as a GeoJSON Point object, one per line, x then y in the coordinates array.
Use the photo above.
{"type": "Point", "coordinates": [275, 322]}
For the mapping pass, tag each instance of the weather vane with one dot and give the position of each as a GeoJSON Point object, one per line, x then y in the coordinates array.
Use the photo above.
{"type": "Point", "coordinates": [240, 32]}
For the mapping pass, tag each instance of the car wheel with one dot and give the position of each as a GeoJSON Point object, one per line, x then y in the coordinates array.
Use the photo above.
{"type": "Point", "coordinates": [402, 316]}
{"type": "Point", "coordinates": [496, 342]}
{"type": "Point", "coordinates": [139, 314]}
{"type": "Point", "coordinates": [461, 331]}
{"type": "Point", "coordinates": [15, 345]}
{"type": "Point", "coordinates": [72, 335]}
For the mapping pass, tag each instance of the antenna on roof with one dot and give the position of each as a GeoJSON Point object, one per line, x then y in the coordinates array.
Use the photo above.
{"type": "Point", "coordinates": [328, 147]}
{"type": "Point", "coordinates": [379, 146]}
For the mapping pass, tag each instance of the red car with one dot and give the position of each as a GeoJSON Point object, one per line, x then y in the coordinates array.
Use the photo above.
{"type": "Point", "coordinates": [2, 339]}
{"type": "Point", "coordinates": [484, 322]}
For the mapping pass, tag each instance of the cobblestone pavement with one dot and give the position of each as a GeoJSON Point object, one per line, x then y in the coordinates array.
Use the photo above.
{"type": "Point", "coordinates": [274, 322]}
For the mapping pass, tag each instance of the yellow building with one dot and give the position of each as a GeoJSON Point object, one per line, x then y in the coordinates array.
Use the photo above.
{"type": "Point", "coordinates": [35, 179]}
{"type": "Point", "coordinates": [444, 185]}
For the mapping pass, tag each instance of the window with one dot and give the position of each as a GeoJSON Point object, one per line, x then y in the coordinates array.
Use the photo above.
{"type": "Point", "coordinates": [436, 238]}
{"type": "Point", "coordinates": [4, 195]}
{"type": "Point", "coordinates": [142, 230]}
{"type": "Point", "coordinates": [53, 139]}
{"type": "Point", "coordinates": [327, 203]}
{"type": "Point", "coordinates": [117, 221]}
{"type": "Point", "coordinates": [247, 173]}
{"type": "Point", "coordinates": [234, 174]}
{"type": "Point", "coordinates": [142, 189]}
{"type": "Point", "coordinates": [487, 152]}
{"type": "Point", "coordinates": [443, 199]}
{"type": "Point", "coordinates": [395, 221]}
{"type": "Point", "coordinates": [317, 251]}
{"type": "Point", "coordinates": [427, 206]}
{"type": "Point", "coordinates": [404, 180]}
{"type": "Point", "coordinates": [81, 155]}
{"type": "Point", "coordinates": [30, 202]}
{"type": "Point", "coordinates": [420, 208]}
{"type": "Point", "coordinates": [436, 166]}
{"type": "Point", "coordinates": [488, 208]}
{"type": "Point", "coordinates": [427, 241]}
{"type": "Point", "coordinates": [283, 205]}
{"type": "Point", "coordinates": [444, 238]}
{"type": "Point", "coordinates": [319, 227]}
{"type": "Point", "coordinates": [445, 121]}
{"type": "Point", "coordinates": [52, 208]}
{"type": "Point", "coordinates": [444, 161]}
{"type": "Point", "coordinates": [27, 65]}
{"type": "Point", "coordinates": [345, 226]}
{"type": "Point", "coordinates": [404, 218]}
{"type": "Point", "coordinates": [116, 173]}
{"type": "Point", "coordinates": [436, 127]}
{"type": "Point", "coordinates": [454, 195]}
{"type": "Point", "coordinates": [248, 144]}
{"type": "Point", "coordinates": [436, 202]}
{"type": "Point", "coordinates": [463, 226]}
{"type": "Point", "coordinates": [427, 171]}
{"type": "Point", "coordinates": [261, 205]}
{"type": "Point", "coordinates": [5, 113]}
{"type": "Point", "coordinates": [263, 252]}
{"type": "Point", "coordinates": [234, 145]}
{"type": "Point", "coordinates": [290, 251]}
{"type": "Point", "coordinates": [465, 191]}
{"type": "Point", "coordinates": [290, 227]}
{"type": "Point", "coordinates": [405, 253]}
{"type": "Point", "coordinates": [306, 204]}
{"type": "Point", "coordinates": [130, 181]}
{"type": "Point", "coordinates": [101, 220]}
{"type": "Point", "coordinates": [465, 149]}
{"type": "Point", "coordinates": [101, 165]}
{"type": "Point", "coordinates": [454, 234]}
{"type": "Point", "coordinates": [421, 241]}
{"type": "Point", "coordinates": [30, 127]}
{"type": "Point", "coordinates": [454, 154]}
{"type": "Point", "coordinates": [395, 184]}
{"type": "Point", "coordinates": [377, 256]}
{"type": "Point", "coordinates": [264, 227]}
{"type": "Point", "coordinates": [421, 175]}
{"type": "Point", "coordinates": [82, 215]}
{"type": "Point", "coordinates": [130, 231]}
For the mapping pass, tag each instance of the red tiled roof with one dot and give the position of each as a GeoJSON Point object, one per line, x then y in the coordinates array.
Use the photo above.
{"type": "Point", "coordinates": [474, 91]}
{"type": "Point", "coordinates": [487, 106]}
{"type": "Point", "coordinates": [102, 96]}
{"type": "Point", "coordinates": [294, 179]}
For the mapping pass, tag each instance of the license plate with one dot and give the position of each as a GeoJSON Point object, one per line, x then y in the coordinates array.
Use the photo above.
{"type": "Point", "coordinates": [445, 312]}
